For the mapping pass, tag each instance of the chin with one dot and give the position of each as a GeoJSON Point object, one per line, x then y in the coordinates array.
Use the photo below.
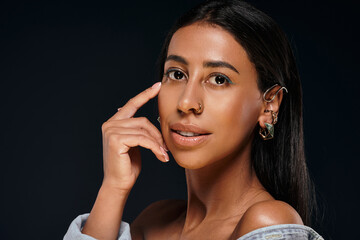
{"type": "Point", "coordinates": [186, 159]}
{"type": "Point", "coordinates": [191, 159]}
{"type": "Point", "coordinates": [188, 165]}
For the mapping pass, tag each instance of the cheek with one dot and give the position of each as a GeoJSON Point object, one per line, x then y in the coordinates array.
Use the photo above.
{"type": "Point", "coordinates": [247, 112]}
{"type": "Point", "coordinates": [238, 115]}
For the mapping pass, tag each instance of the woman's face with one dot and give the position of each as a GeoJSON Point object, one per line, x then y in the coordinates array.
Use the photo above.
{"type": "Point", "coordinates": [206, 66]}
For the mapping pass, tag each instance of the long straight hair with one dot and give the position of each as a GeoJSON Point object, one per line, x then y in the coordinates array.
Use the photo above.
{"type": "Point", "coordinates": [279, 163]}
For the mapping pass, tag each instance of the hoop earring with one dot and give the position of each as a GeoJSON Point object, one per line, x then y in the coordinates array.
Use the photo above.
{"type": "Point", "coordinates": [272, 99]}
{"type": "Point", "coordinates": [158, 119]}
{"type": "Point", "coordinates": [268, 132]}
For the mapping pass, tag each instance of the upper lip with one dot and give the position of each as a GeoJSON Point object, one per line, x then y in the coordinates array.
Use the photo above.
{"type": "Point", "coordinates": [188, 128]}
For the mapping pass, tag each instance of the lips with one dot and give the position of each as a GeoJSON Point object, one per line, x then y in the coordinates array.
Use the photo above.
{"type": "Point", "coordinates": [188, 135]}
{"type": "Point", "coordinates": [188, 128]}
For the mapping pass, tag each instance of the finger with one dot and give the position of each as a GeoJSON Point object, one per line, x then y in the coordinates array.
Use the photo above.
{"type": "Point", "coordinates": [130, 108]}
{"type": "Point", "coordinates": [127, 131]}
{"type": "Point", "coordinates": [142, 123]}
{"type": "Point", "coordinates": [131, 140]}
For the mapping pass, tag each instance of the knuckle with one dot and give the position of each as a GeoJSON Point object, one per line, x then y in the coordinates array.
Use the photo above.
{"type": "Point", "coordinates": [144, 131]}
{"type": "Point", "coordinates": [143, 120]}
{"type": "Point", "coordinates": [113, 139]}
{"type": "Point", "coordinates": [131, 101]}
{"type": "Point", "coordinates": [104, 126]}
{"type": "Point", "coordinates": [108, 132]}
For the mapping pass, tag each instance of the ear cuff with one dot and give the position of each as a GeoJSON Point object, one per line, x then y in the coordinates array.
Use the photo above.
{"type": "Point", "coordinates": [273, 97]}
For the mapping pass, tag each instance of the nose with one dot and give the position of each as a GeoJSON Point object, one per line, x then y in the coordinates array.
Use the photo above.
{"type": "Point", "coordinates": [190, 101]}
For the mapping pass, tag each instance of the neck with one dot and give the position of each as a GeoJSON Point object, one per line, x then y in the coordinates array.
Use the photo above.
{"type": "Point", "coordinates": [223, 190]}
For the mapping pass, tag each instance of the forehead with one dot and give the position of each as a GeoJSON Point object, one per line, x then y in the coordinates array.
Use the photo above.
{"type": "Point", "coordinates": [199, 42]}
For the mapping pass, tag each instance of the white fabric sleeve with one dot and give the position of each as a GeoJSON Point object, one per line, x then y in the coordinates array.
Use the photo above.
{"type": "Point", "coordinates": [74, 231]}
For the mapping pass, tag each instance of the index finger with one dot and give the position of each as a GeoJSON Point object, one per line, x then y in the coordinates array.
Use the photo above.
{"type": "Point", "coordinates": [130, 108]}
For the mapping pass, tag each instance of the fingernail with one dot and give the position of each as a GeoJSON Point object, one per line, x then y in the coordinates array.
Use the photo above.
{"type": "Point", "coordinates": [156, 85]}
{"type": "Point", "coordinates": [119, 109]}
{"type": "Point", "coordinates": [165, 147]}
{"type": "Point", "coordinates": [164, 153]}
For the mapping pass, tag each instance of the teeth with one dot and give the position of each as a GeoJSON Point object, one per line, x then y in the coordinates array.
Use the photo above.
{"type": "Point", "coordinates": [187, 134]}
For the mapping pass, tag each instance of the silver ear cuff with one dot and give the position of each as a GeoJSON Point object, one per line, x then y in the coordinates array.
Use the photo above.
{"type": "Point", "coordinates": [272, 99]}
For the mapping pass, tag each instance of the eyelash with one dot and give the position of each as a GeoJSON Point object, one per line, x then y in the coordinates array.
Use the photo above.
{"type": "Point", "coordinates": [171, 70]}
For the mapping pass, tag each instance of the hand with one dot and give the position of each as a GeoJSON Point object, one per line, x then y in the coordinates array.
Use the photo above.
{"type": "Point", "coordinates": [122, 134]}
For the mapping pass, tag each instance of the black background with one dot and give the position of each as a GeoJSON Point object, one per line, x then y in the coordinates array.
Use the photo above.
{"type": "Point", "coordinates": [66, 67]}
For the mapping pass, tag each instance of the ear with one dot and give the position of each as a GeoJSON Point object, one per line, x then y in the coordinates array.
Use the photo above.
{"type": "Point", "coordinates": [274, 97]}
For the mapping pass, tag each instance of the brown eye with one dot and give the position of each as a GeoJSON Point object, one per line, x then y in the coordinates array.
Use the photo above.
{"type": "Point", "coordinates": [176, 75]}
{"type": "Point", "coordinates": [219, 79]}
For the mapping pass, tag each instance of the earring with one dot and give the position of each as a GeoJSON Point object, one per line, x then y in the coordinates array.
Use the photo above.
{"type": "Point", "coordinates": [268, 132]}
{"type": "Point", "coordinates": [158, 119]}
{"type": "Point", "coordinates": [273, 97]}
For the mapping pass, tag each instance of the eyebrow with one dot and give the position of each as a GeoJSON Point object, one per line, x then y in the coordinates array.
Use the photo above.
{"type": "Point", "coordinates": [215, 64]}
{"type": "Point", "coordinates": [209, 64]}
{"type": "Point", "coordinates": [176, 58]}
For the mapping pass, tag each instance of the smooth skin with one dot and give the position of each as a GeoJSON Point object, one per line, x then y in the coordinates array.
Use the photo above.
{"type": "Point", "coordinates": [225, 198]}
{"type": "Point", "coordinates": [122, 134]}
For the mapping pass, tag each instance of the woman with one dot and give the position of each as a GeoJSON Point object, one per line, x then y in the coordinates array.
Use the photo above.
{"type": "Point", "coordinates": [228, 76]}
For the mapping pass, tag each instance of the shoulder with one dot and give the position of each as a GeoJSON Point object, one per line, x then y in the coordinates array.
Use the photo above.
{"type": "Point", "coordinates": [267, 213]}
{"type": "Point", "coordinates": [157, 215]}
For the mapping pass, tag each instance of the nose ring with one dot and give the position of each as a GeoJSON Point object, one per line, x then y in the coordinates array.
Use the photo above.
{"type": "Point", "coordinates": [200, 109]}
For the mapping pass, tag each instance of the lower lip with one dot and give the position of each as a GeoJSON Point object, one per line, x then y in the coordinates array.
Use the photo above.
{"type": "Point", "coordinates": [188, 141]}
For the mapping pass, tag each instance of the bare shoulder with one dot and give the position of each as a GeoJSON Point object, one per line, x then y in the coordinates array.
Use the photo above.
{"type": "Point", "coordinates": [267, 213]}
{"type": "Point", "coordinates": [157, 215]}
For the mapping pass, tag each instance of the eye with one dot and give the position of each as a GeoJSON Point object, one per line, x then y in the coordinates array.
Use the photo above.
{"type": "Point", "coordinates": [219, 79]}
{"type": "Point", "coordinates": [175, 74]}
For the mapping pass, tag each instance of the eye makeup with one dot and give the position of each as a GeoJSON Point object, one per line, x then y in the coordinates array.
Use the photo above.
{"type": "Point", "coordinates": [216, 75]}
{"type": "Point", "coordinates": [215, 79]}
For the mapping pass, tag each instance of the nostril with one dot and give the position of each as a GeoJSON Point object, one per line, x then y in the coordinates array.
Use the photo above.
{"type": "Point", "coordinates": [189, 110]}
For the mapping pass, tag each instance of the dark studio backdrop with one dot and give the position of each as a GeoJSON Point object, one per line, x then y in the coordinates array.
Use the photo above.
{"type": "Point", "coordinates": [66, 67]}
